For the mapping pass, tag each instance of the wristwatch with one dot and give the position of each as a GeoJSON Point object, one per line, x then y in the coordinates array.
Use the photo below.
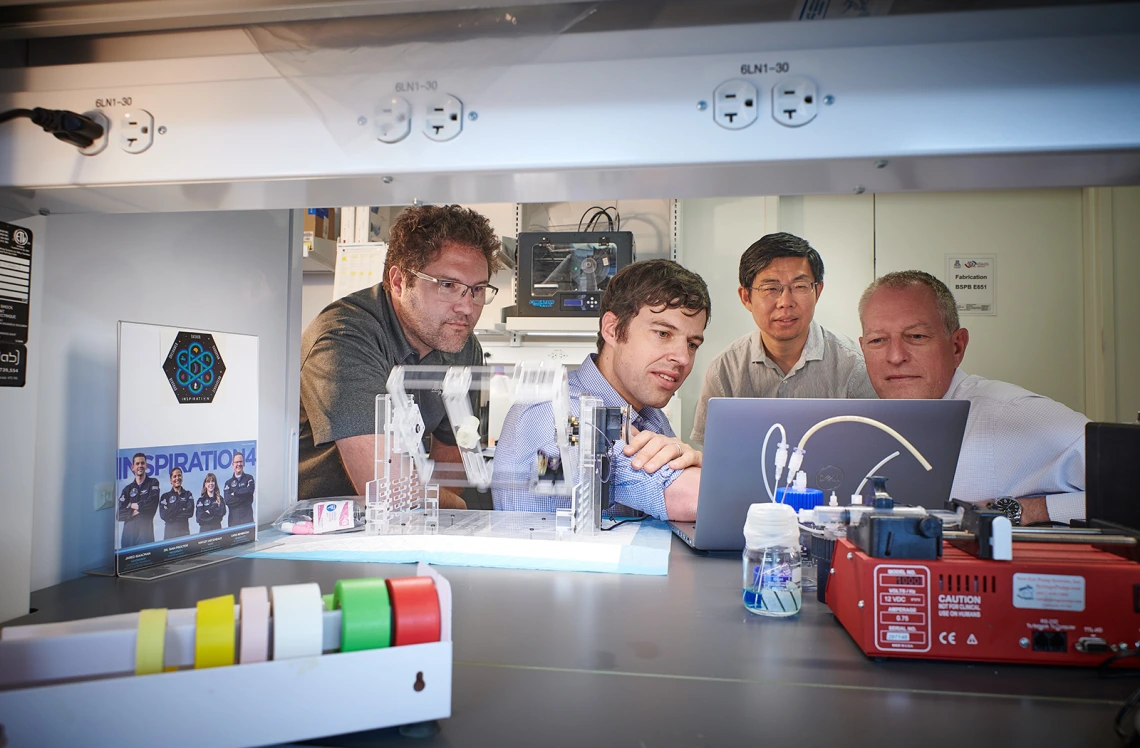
{"type": "Point", "coordinates": [1008, 506]}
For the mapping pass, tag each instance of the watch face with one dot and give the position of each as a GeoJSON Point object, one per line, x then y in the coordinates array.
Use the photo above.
{"type": "Point", "coordinates": [1008, 506]}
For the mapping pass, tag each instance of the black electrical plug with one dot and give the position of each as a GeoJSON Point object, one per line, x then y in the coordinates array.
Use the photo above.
{"type": "Point", "coordinates": [69, 127]}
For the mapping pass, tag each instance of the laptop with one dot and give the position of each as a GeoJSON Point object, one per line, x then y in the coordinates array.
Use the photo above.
{"type": "Point", "coordinates": [837, 457]}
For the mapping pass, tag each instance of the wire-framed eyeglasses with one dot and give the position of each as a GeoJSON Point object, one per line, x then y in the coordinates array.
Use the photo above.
{"type": "Point", "coordinates": [450, 290]}
{"type": "Point", "coordinates": [773, 291]}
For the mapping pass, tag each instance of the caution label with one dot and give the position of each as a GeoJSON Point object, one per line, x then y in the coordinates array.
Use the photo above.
{"type": "Point", "coordinates": [902, 608]}
{"type": "Point", "coordinates": [959, 606]}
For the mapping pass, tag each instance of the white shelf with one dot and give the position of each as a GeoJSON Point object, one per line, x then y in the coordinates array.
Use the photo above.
{"type": "Point", "coordinates": [318, 255]}
{"type": "Point", "coordinates": [549, 324]}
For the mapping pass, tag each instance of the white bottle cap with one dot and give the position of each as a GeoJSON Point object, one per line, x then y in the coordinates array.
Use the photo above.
{"type": "Point", "coordinates": [771, 524]}
{"type": "Point", "coordinates": [856, 499]}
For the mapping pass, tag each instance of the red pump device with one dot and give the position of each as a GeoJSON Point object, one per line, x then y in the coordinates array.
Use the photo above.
{"type": "Point", "coordinates": [902, 586]}
{"type": "Point", "coordinates": [1053, 604]}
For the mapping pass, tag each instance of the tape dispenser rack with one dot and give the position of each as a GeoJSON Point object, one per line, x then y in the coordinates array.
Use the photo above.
{"type": "Point", "coordinates": [386, 640]}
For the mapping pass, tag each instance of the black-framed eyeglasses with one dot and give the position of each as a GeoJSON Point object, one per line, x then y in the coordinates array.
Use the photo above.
{"type": "Point", "coordinates": [772, 291]}
{"type": "Point", "coordinates": [452, 291]}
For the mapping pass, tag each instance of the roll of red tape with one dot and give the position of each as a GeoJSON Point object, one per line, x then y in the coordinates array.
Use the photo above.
{"type": "Point", "coordinates": [415, 610]}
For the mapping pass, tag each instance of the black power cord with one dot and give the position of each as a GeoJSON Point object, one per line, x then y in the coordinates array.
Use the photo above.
{"type": "Point", "coordinates": [69, 127]}
{"type": "Point", "coordinates": [1119, 723]}
{"type": "Point", "coordinates": [614, 219]}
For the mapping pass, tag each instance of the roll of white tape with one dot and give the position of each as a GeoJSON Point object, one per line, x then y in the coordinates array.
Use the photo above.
{"type": "Point", "coordinates": [254, 646]}
{"type": "Point", "coordinates": [297, 620]}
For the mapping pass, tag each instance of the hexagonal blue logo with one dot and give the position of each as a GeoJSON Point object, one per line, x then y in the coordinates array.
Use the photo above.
{"type": "Point", "coordinates": [194, 367]}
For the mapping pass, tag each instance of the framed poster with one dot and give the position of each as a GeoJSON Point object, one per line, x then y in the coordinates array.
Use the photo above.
{"type": "Point", "coordinates": [186, 462]}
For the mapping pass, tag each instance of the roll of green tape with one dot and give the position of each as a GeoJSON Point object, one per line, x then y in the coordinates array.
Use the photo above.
{"type": "Point", "coordinates": [366, 614]}
{"type": "Point", "coordinates": [330, 603]}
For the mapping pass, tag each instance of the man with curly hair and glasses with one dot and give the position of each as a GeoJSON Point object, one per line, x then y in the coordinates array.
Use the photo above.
{"type": "Point", "coordinates": [653, 318]}
{"type": "Point", "coordinates": [436, 282]}
{"type": "Point", "coordinates": [789, 354]}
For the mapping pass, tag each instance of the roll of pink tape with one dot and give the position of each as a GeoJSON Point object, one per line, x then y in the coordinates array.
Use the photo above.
{"type": "Point", "coordinates": [254, 646]}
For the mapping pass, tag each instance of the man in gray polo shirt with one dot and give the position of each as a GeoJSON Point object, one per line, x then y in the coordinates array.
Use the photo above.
{"type": "Point", "coordinates": [439, 262]}
{"type": "Point", "coordinates": [789, 355]}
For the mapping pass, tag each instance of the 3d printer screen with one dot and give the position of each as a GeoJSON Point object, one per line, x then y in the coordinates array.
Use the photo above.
{"type": "Point", "coordinates": [571, 267]}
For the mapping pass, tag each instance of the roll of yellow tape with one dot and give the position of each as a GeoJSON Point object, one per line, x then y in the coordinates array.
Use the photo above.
{"type": "Point", "coordinates": [150, 642]}
{"type": "Point", "coordinates": [214, 635]}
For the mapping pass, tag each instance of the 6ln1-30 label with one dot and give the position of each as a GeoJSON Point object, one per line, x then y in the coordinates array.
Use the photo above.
{"type": "Point", "coordinates": [760, 68]}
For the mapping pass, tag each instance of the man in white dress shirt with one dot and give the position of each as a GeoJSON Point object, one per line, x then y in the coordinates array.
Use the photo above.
{"type": "Point", "coordinates": [1017, 443]}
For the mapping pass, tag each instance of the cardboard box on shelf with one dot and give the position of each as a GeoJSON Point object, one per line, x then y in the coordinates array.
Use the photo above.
{"type": "Point", "coordinates": [321, 223]}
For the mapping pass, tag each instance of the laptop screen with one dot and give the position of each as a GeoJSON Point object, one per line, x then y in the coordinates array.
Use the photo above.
{"type": "Point", "coordinates": [837, 456]}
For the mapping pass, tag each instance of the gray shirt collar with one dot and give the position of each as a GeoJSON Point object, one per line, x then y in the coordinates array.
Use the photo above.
{"type": "Point", "coordinates": [813, 349]}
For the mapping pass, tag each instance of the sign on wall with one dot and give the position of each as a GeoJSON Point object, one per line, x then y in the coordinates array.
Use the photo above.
{"type": "Point", "coordinates": [186, 465]}
{"type": "Point", "coordinates": [15, 303]}
{"type": "Point", "coordinates": [971, 280]}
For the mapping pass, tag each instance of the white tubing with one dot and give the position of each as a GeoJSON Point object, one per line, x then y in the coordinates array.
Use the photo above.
{"type": "Point", "coordinates": [875, 469]}
{"type": "Point", "coordinates": [870, 422]}
{"type": "Point", "coordinates": [764, 458]}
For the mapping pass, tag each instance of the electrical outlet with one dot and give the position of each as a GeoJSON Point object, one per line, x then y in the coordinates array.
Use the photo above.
{"type": "Point", "coordinates": [104, 495]}
{"type": "Point", "coordinates": [393, 120]}
{"type": "Point", "coordinates": [444, 118]}
{"type": "Point", "coordinates": [99, 145]}
{"type": "Point", "coordinates": [795, 101]}
{"type": "Point", "coordinates": [136, 130]}
{"type": "Point", "coordinates": [735, 104]}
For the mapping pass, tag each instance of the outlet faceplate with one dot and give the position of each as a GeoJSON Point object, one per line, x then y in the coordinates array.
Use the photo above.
{"type": "Point", "coordinates": [735, 104]}
{"type": "Point", "coordinates": [136, 130]}
{"type": "Point", "coordinates": [444, 118]}
{"type": "Point", "coordinates": [795, 101]}
{"type": "Point", "coordinates": [99, 145]}
{"type": "Point", "coordinates": [393, 120]}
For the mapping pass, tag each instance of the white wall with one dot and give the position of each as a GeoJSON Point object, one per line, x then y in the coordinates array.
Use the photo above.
{"type": "Point", "coordinates": [1036, 339]}
{"type": "Point", "coordinates": [18, 426]}
{"type": "Point", "coordinates": [235, 271]}
{"type": "Point", "coordinates": [1126, 264]}
{"type": "Point", "coordinates": [842, 230]}
{"type": "Point", "coordinates": [714, 233]}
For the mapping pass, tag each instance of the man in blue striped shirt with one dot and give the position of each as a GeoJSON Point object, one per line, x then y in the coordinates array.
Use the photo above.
{"type": "Point", "coordinates": [653, 318]}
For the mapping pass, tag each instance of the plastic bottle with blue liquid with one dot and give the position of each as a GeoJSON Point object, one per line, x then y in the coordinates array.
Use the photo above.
{"type": "Point", "coordinates": [802, 497]}
{"type": "Point", "coordinates": [772, 561]}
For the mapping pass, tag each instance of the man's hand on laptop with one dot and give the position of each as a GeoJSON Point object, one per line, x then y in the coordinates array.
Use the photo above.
{"type": "Point", "coordinates": [652, 451]}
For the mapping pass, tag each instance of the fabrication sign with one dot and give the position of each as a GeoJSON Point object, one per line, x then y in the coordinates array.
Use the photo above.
{"type": "Point", "coordinates": [15, 303]}
{"type": "Point", "coordinates": [971, 280]}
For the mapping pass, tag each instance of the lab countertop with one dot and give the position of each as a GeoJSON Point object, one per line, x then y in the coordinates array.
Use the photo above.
{"type": "Point", "coordinates": [570, 658]}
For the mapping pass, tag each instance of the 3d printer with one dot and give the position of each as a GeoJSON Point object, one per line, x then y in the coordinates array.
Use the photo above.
{"type": "Point", "coordinates": [564, 274]}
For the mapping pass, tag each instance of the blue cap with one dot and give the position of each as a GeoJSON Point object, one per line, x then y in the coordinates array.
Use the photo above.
{"type": "Point", "coordinates": [800, 498]}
